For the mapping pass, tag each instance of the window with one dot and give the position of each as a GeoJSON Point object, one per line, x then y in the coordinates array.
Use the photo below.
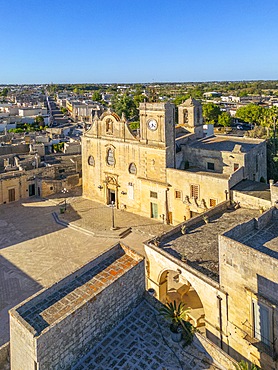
{"type": "Point", "coordinates": [212, 202]}
{"type": "Point", "coordinates": [194, 191]}
{"type": "Point", "coordinates": [132, 169]}
{"type": "Point", "coordinates": [153, 194]}
{"type": "Point", "coordinates": [262, 328]}
{"type": "Point", "coordinates": [91, 160]}
{"type": "Point", "coordinates": [236, 166]}
{"type": "Point", "coordinates": [110, 157]}
{"type": "Point", "coordinates": [210, 166]}
{"type": "Point", "coordinates": [177, 194]}
{"type": "Point", "coordinates": [130, 191]}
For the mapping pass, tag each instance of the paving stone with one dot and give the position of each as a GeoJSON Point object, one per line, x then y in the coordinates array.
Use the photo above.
{"type": "Point", "coordinates": [139, 350]}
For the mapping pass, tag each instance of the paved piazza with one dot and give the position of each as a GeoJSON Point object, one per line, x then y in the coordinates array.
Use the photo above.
{"type": "Point", "coordinates": [142, 341]}
{"type": "Point", "coordinates": [35, 251]}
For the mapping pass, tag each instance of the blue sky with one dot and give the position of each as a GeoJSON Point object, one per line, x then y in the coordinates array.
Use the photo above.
{"type": "Point", "coordinates": [137, 40]}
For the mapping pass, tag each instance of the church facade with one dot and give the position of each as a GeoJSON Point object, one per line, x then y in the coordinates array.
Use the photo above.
{"type": "Point", "coordinates": [165, 171]}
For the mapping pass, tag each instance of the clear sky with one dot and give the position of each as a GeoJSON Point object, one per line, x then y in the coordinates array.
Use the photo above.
{"type": "Point", "coordinates": [78, 41]}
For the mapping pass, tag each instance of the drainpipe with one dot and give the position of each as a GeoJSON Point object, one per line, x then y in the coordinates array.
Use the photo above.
{"type": "Point", "coordinates": [166, 207]}
{"type": "Point", "coordinates": [219, 303]}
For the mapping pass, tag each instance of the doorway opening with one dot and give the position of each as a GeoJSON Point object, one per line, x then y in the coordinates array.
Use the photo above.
{"type": "Point", "coordinates": [11, 195]}
{"type": "Point", "coordinates": [111, 196]}
{"type": "Point", "coordinates": [32, 190]}
{"type": "Point", "coordinates": [154, 210]}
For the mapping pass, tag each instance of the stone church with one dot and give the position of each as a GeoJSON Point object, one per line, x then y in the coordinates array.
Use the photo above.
{"type": "Point", "coordinates": [166, 171]}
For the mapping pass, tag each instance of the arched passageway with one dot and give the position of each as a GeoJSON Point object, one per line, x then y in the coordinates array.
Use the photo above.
{"type": "Point", "coordinates": [174, 287]}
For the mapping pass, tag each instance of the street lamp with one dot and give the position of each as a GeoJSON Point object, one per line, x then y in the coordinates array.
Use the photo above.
{"type": "Point", "coordinates": [65, 191]}
{"type": "Point", "coordinates": [112, 205]}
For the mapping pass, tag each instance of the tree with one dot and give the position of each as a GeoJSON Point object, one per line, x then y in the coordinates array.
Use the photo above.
{"type": "Point", "coordinates": [224, 119]}
{"type": "Point", "coordinates": [39, 121]}
{"type": "Point", "coordinates": [140, 98]}
{"type": "Point", "coordinates": [4, 92]}
{"type": "Point", "coordinates": [96, 96]}
{"type": "Point", "coordinates": [125, 104]}
{"type": "Point", "coordinates": [180, 99]}
{"type": "Point", "coordinates": [250, 113]}
{"type": "Point", "coordinates": [211, 112]}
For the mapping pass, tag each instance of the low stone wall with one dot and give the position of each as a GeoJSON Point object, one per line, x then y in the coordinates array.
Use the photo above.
{"type": "Point", "coordinates": [194, 220]}
{"type": "Point", "coordinates": [219, 356]}
{"type": "Point", "coordinates": [4, 355]}
{"type": "Point", "coordinates": [263, 220]}
{"type": "Point", "coordinates": [236, 177]}
{"type": "Point", "coordinates": [249, 201]}
{"type": "Point", "coordinates": [83, 323]}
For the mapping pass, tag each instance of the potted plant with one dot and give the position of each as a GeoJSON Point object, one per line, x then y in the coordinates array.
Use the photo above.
{"type": "Point", "coordinates": [176, 314]}
{"type": "Point", "coordinates": [244, 365]}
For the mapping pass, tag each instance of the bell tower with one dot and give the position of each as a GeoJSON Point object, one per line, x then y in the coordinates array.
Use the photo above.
{"type": "Point", "coordinates": [190, 116]}
{"type": "Point", "coordinates": [157, 125]}
{"type": "Point", "coordinates": [157, 128]}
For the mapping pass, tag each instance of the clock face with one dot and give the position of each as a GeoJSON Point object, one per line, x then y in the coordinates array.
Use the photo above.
{"type": "Point", "coordinates": [152, 124]}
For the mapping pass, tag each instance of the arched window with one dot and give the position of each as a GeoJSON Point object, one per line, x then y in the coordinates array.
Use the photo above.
{"type": "Point", "coordinates": [110, 157]}
{"type": "Point", "coordinates": [132, 169]}
{"type": "Point", "coordinates": [185, 116]}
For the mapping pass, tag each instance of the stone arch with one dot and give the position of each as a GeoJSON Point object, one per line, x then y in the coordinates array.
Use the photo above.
{"type": "Point", "coordinates": [174, 285]}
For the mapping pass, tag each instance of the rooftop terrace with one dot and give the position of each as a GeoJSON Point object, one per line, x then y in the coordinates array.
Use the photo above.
{"type": "Point", "coordinates": [199, 246]}
{"type": "Point", "coordinates": [226, 143]}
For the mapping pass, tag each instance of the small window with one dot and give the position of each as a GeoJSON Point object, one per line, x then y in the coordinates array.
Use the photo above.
{"type": "Point", "coordinates": [132, 169]}
{"type": "Point", "coordinates": [212, 202]}
{"type": "Point", "coordinates": [194, 191]}
{"type": "Point", "coordinates": [236, 166]}
{"type": "Point", "coordinates": [110, 157]}
{"type": "Point", "coordinates": [177, 194]}
{"type": "Point", "coordinates": [210, 166]}
{"type": "Point", "coordinates": [262, 322]}
{"type": "Point", "coordinates": [51, 188]}
{"type": "Point", "coordinates": [91, 160]}
{"type": "Point", "coordinates": [153, 194]}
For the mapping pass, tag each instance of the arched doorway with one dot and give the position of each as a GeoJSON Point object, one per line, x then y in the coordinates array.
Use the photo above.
{"type": "Point", "coordinates": [175, 287]}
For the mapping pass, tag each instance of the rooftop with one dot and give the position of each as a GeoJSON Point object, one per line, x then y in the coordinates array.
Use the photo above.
{"type": "Point", "coordinates": [205, 258]}
{"type": "Point", "coordinates": [263, 239]}
{"type": "Point", "coordinates": [66, 296]}
{"type": "Point", "coordinates": [226, 144]}
{"type": "Point", "coordinates": [253, 188]}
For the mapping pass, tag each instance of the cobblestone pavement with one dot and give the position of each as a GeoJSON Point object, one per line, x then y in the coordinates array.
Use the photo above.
{"type": "Point", "coordinates": [142, 341]}
{"type": "Point", "coordinates": [35, 251]}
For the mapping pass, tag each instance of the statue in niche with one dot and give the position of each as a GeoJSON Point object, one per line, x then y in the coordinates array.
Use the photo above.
{"type": "Point", "coordinates": [109, 126]}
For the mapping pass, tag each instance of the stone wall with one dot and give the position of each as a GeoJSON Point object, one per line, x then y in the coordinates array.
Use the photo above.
{"type": "Point", "coordinates": [4, 355]}
{"type": "Point", "coordinates": [218, 355]}
{"type": "Point", "coordinates": [62, 343]}
{"type": "Point", "coordinates": [207, 289]}
{"type": "Point", "coordinates": [209, 187]}
{"type": "Point", "coordinates": [249, 201]}
{"type": "Point", "coordinates": [247, 275]}
{"type": "Point", "coordinates": [20, 181]}
{"type": "Point", "coordinates": [274, 193]}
